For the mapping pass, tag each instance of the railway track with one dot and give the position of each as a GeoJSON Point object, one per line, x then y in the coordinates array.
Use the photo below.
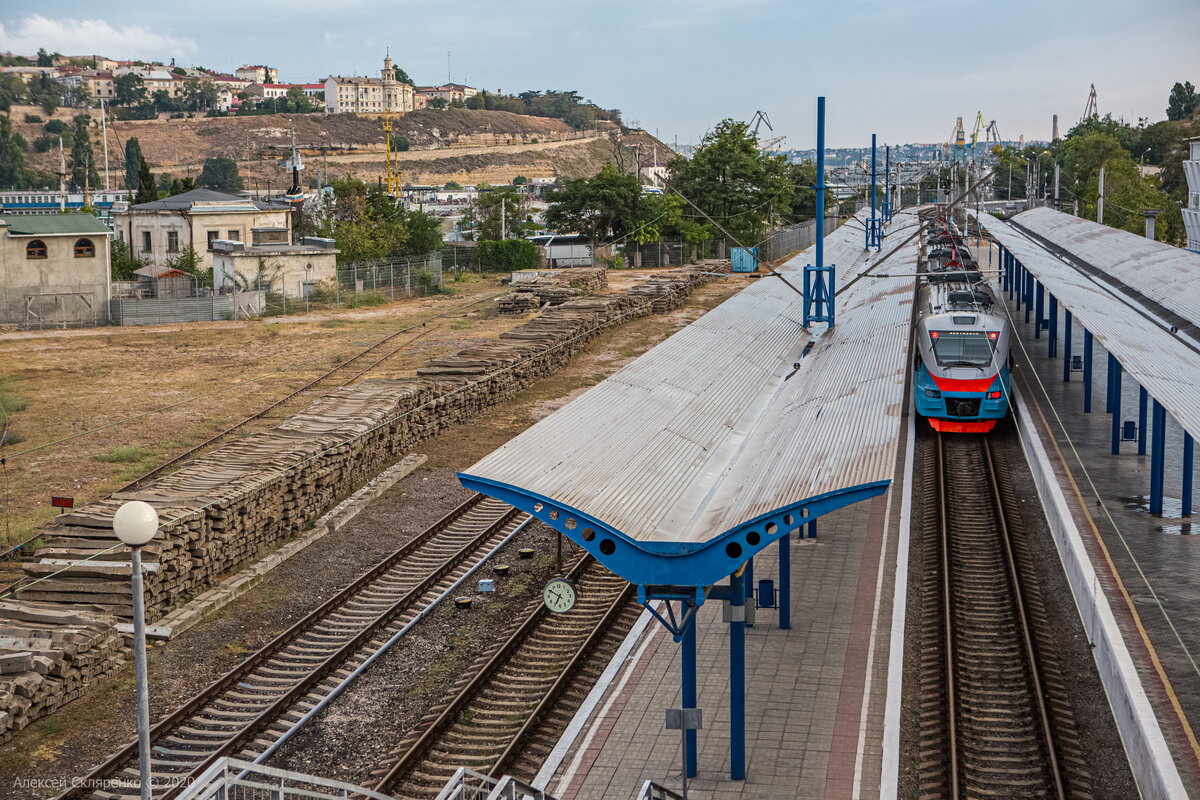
{"type": "Point", "coordinates": [251, 707]}
{"type": "Point", "coordinates": [994, 717]}
{"type": "Point", "coordinates": [508, 715]}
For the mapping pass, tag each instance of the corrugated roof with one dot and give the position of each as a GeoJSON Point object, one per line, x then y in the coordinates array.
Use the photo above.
{"type": "Point", "coordinates": [705, 431]}
{"type": "Point", "coordinates": [1167, 364]}
{"type": "Point", "coordinates": [1165, 274]}
{"type": "Point", "coordinates": [184, 201]}
{"type": "Point", "coordinates": [53, 224]}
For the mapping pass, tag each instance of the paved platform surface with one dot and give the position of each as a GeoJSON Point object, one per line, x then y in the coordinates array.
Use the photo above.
{"type": "Point", "coordinates": [1149, 566]}
{"type": "Point", "coordinates": [815, 696]}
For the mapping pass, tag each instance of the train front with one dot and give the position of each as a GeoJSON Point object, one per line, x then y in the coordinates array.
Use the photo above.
{"type": "Point", "coordinates": [961, 381]}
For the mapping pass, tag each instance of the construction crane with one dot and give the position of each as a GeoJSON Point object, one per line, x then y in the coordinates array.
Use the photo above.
{"type": "Point", "coordinates": [993, 135]}
{"type": "Point", "coordinates": [759, 118]}
{"type": "Point", "coordinates": [976, 130]}
{"type": "Point", "coordinates": [958, 140]}
{"type": "Point", "coordinates": [1092, 109]}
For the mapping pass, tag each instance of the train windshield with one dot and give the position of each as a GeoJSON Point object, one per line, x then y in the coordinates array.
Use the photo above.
{"type": "Point", "coordinates": [961, 348]}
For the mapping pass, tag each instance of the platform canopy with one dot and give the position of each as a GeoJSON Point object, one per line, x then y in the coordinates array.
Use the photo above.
{"type": "Point", "coordinates": [731, 433]}
{"type": "Point", "coordinates": [1132, 317]}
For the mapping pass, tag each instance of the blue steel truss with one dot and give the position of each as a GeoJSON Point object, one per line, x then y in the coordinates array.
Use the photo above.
{"type": "Point", "coordinates": [818, 295]}
{"type": "Point", "coordinates": [694, 565]}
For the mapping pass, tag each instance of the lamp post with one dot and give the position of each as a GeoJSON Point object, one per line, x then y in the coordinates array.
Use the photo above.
{"type": "Point", "coordinates": [135, 524]}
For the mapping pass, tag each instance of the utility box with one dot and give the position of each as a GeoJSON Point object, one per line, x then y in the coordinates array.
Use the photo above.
{"type": "Point", "coordinates": [745, 259]}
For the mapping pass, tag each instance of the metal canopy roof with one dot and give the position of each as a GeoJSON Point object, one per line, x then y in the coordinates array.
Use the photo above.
{"type": "Point", "coordinates": [704, 449]}
{"type": "Point", "coordinates": [1167, 275]}
{"type": "Point", "coordinates": [1167, 364]}
{"type": "Point", "coordinates": [53, 225]}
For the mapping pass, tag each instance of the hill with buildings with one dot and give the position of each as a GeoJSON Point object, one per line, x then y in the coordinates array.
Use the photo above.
{"type": "Point", "coordinates": [435, 146]}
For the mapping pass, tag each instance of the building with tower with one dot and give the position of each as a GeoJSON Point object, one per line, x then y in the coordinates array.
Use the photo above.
{"type": "Point", "coordinates": [356, 95]}
{"type": "Point", "coordinates": [1191, 212]}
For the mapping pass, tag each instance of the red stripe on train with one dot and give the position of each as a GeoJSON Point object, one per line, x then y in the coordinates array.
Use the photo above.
{"type": "Point", "coordinates": [963, 384]}
{"type": "Point", "coordinates": [950, 426]}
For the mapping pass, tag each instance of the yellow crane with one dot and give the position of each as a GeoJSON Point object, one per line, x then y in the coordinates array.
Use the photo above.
{"type": "Point", "coordinates": [977, 130]}
{"type": "Point", "coordinates": [392, 176]}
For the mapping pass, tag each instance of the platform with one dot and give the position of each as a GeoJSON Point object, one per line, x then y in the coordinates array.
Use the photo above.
{"type": "Point", "coordinates": [1148, 565]}
{"type": "Point", "coordinates": [817, 694]}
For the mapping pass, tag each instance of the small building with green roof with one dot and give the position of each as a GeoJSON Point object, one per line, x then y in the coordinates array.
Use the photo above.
{"type": "Point", "coordinates": [55, 270]}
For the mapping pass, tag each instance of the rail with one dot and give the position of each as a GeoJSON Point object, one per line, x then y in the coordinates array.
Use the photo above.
{"type": "Point", "coordinates": [443, 547]}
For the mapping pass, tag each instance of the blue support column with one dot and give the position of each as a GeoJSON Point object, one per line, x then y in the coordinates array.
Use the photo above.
{"type": "Point", "coordinates": [737, 678]}
{"type": "Point", "coordinates": [1114, 377]}
{"type": "Point", "coordinates": [1052, 340]}
{"type": "Point", "coordinates": [1067, 343]}
{"type": "Point", "coordinates": [687, 662]}
{"type": "Point", "coordinates": [785, 583]}
{"type": "Point", "coordinates": [887, 185]}
{"type": "Point", "coordinates": [1143, 405]}
{"type": "Point", "coordinates": [873, 232]}
{"type": "Point", "coordinates": [1039, 312]}
{"type": "Point", "coordinates": [1029, 297]}
{"type": "Point", "coordinates": [1087, 371]}
{"type": "Point", "coordinates": [1019, 281]}
{"type": "Point", "coordinates": [819, 303]}
{"type": "Point", "coordinates": [1189, 447]}
{"type": "Point", "coordinates": [812, 530]}
{"type": "Point", "coordinates": [748, 578]}
{"type": "Point", "coordinates": [1114, 371]}
{"type": "Point", "coordinates": [1010, 263]}
{"type": "Point", "coordinates": [1158, 447]}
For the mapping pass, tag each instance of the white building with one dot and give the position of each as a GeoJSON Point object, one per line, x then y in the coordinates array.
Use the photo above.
{"type": "Point", "coordinates": [295, 270]}
{"type": "Point", "coordinates": [1191, 213]}
{"type": "Point", "coordinates": [257, 73]}
{"type": "Point", "coordinates": [368, 95]}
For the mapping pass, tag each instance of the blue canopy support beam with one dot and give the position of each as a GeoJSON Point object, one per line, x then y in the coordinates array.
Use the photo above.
{"type": "Point", "coordinates": [687, 663]}
{"type": "Point", "coordinates": [1189, 451]}
{"type": "Point", "coordinates": [1067, 345]}
{"type": "Point", "coordinates": [1052, 329]}
{"type": "Point", "coordinates": [1087, 371]}
{"type": "Point", "coordinates": [1114, 372]}
{"type": "Point", "coordinates": [737, 677]}
{"type": "Point", "coordinates": [1143, 405]}
{"type": "Point", "coordinates": [1158, 453]}
{"type": "Point", "coordinates": [1039, 315]}
{"type": "Point", "coordinates": [785, 583]}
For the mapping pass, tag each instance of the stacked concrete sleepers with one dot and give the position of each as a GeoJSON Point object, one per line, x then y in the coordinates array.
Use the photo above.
{"type": "Point", "coordinates": [668, 290]}
{"type": "Point", "coordinates": [222, 509]}
{"type": "Point", "coordinates": [50, 655]}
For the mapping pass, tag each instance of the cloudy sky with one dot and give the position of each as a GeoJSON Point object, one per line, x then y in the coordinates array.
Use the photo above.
{"type": "Point", "coordinates": [902, 68]}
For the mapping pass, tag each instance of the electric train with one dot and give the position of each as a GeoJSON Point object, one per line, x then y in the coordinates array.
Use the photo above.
{"type": "Point", "coordinates": [962, 362]}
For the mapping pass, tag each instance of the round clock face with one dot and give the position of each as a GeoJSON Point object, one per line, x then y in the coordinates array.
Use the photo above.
{"type": "Point", "coordinates": [559, 595]}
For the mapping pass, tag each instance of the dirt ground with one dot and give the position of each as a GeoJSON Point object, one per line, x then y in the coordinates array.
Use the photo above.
{"type": "Point", "coordinates": [72, 741]}
{"type": "Point", "coordinates": [203, 376]}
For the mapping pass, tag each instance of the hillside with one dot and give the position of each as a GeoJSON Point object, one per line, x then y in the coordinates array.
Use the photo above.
{"type": "Point", "coordinates": [456, 144]}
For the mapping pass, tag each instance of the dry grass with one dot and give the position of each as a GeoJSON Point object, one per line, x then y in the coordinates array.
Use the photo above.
{"type": "Point", "coordinates": [59, 384]}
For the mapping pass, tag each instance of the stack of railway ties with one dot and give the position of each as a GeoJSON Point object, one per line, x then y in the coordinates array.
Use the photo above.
{"type": "Point", "coordinates": [962, 355]}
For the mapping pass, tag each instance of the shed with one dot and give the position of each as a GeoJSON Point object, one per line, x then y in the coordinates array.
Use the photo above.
{"type": "Point", "coordinates": [163, 283]}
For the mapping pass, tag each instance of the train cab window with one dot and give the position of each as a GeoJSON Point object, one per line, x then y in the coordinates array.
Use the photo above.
{"type": "Point", "coordinates": [35, 249]}
{"type": "Point", "coordinates": [964, 320]}
{"type": "Point", "coordinates": [961, 348]}
{"type": "Point", "coordinates": [84, 248]}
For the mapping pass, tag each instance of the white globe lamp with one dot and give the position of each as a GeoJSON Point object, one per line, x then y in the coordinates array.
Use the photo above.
{"type": "Point", "coordinates": [135, 523]}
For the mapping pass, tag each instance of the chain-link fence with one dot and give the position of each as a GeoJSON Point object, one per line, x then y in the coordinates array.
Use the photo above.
{"type": "Point", "coordinates": [794, 238]}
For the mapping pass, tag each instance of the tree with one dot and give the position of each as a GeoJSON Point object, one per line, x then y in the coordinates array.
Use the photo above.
{"type": "Point", "coordinates": [129, 89]}
{"type": "Point", "coordinates": [402, 76]}
{"type": "Point", "coordinates": [83, 162]}
{"type": "Point", "coordinates": [12, 90]}
{"type": "Point", "coordinates": [199, 95]}
{"type": "Point", "coordinates": [520, 180]}
{"type": "Point", "coordinates": [437, 102]}
{"type": "Point", "coordinates": [299, 101]}
{"type": "Point", "coordinates": [133, 163]}
{"type": "Point", "coordinates": [123, 261]}
{"type": "Point", "coordinates": [220, 174]}
{"type": "Point", "coordinates": [14, 175]}
{"type": "Point", "coordinates": [147, 192]}
{"type": "Point", "coordinates": [368, 224]}
{"type": "Point", "coordinates": [476, 102]}
{"type": "Point", "coordinates": [1183, 101]}
{"type": "Point", "coordinates": [181, 185]}
{"type": "Point", "coordinates": [497, 214]}
{"type": "Point", "coordinates": [43, 58]}
{"type": "Point", "coordinates": [45, 92]}
{"type": "Point", "coordinates": [607, 204]}
{"type": "Point", "coordinates": [734, 182]}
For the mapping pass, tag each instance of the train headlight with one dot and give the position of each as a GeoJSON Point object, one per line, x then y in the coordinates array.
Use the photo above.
{"type": "Point", "coordinates": [995, 395]}
{"type": "Point", "coordinates": [932, 393]}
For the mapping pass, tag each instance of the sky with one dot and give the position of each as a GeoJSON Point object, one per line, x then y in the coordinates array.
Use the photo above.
{"type": "Point", "coordinates": [903, 69]}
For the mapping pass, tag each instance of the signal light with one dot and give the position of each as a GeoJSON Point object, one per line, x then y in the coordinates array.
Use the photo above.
{"type": "Point", "coordinates": [993, 335]}
{"type": "Point", "coordinates": [933, 334]}
{"type": "Point", "coordinates": [995, 395]}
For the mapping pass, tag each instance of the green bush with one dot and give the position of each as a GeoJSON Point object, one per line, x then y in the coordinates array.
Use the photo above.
{"type": "Point", "coordinates": [508, 255]}
{"type": "Point", "coordinates": [366, 300]}
{"type": "Point", "coordinates": [55, 126]}
{"type": "Point", "coordinates": [32, 118]}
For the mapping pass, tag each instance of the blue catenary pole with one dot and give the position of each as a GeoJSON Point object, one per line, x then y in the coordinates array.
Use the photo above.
{"type": "Point", "coordinates": [1114, 377]}
{"type": "Point", "coordinates": [1039, 309]}
{"type": "Point", "coordinates": [1087, 371]}
{"type": "Point", "coordinates": [1158, 447]}
{"type": "Point", "coordinates": [887, 182]}
{"type": "Point", "coordinates": [821, 184]}
{"type": "Point", "coordinates": [1052, 341]}
{"type": "Point", "coordinates": [737, 678]}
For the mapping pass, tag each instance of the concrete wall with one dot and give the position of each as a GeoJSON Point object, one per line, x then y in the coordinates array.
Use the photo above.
{"type": "Point", "coordinates": [295, 268]}
{"type": "Point", "coordinates": [66, 290]}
